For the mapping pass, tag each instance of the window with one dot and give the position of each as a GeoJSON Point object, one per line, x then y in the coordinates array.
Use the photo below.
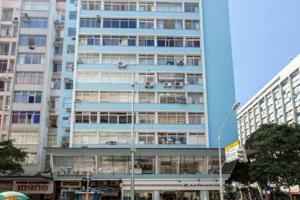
{"type": "Point", "coordinates": [90, 97]}
{"type": "Point", "coordinates": [192, 42]}
{"type": "Point", "coordinates": [194, 79]}
{"type": "Point", "coordinates": [169, 42]}
{"type": "Point", "coordinates": [115, 97]}
{"type": "Point", "coordinates": [195, 98]}
{"type": "Point", "coordinates": [35, 5]}
{"type": "Point", "coordinates": [3, 65]}
{"type": "Point", "coordinates": [170, 77]}
{"type": "Point", "coordinates": [33, 40]}
{"type": "Point", "coordinates": [4, 48]}
{"type": "Point", "coordinates": [191, 7]}
{"type": "Point", "coordinates": [129, 59]}
{"type": "Point", "coordinates": [86, 117]}
{"type": "Point", "coordinates": [119, 23]}
{"type": "Point", "coordinates": [196, 118]}
{"type": "Point", "coordinates": [168, 7]}
{"type": "Point", "coordinates": [89, 59]}
{"type": "Point", "coordinates": [172, 98]}
{"type": "Point", "coordinates": [146, 118]}
{"type": "Point", "coordinates": [192, 25]}
{"type": "Point", "coordinates": [90, 40]}
{"type": "Point", "coordinates": [146, 41]}
{"type": "Point", "coordinates": [7, 15]}
{"type": "Point", "coordinates": [171, 138]}
{"type": "Point", "coordinates": [56, 84]}
{"type": "Point", "coordinates": [69, 67]}
{"type": "Point", "coordinates": [146, 138]}
{"type": "Point", "coordinates": [29, 78]}
{"type": "Point", "coordinates": [115, 118]}
{"type": "Point", "coordinates": [197, 138]}
{"type": "Point", "coordinates": [35, 23]}
{"type": "Point", "coordinates": [146, 23]}
{"type": "Point", "coordinates": [91, 5]}
{"type": "Point", "coordinates": [26, 117]}
{"type": "Point", "coordinates": [119, 138]}
{"type": "Point", "coordinates": [71, 49]}
{"type": "Point", "coordinates": [72, 32]}
{"type": "Point", "coordinates": [28, 97]}
{"type": "Point", "coordinates": [57, 66]}
{"type": "Point", "coordinates": [146, 97]}
{"type": "Point", "coordinates": [146, 6]}
{"type": "Point", "coordinates": [146, 59]}
{"type": "Point", "coordinates": [119, 6]}
{"type": "Point", "coordinates": [119, 40]}
{"type": "Point", "coordinates": [31, 58]}
{"type": "Point", "coordinates": [169, 24]}
{"type": "Point", "coordinates": [5, 31]}
{"type": "Point", "coordinates": [90, 23]}
{"type": "Point", "coordinates": [171, 118]}
{"type": "Point", "coordinates": [25, 138]}
{"type": "Point", "coordinates": [72, 15]}
{"type": "Point", "coordinates": [193, 60]}
{"type": "Point", "coordinates": [170, 60]}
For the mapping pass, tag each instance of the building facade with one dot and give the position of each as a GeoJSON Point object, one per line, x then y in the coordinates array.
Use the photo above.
{"type": "Point", "coordinates": [277, 102]}
{"type": "Point", "coordinates": [89, 78]}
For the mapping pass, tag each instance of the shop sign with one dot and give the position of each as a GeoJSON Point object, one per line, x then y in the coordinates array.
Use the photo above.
{"type": "Point", "coordinates": [71, 184]}
{"type": "Point", "coordinates": [231, 151]}
{"type": "Point", "coordinates": [33, 187]}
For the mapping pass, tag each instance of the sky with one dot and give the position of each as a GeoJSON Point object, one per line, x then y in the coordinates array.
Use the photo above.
{"type": "Point", "coordinates": [265, 35]}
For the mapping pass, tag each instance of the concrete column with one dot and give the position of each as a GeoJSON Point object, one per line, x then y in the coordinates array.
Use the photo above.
{"type": "Point", "coordinates": [204, 195]}
{"type": "Point", "coordinates": [156, 195]}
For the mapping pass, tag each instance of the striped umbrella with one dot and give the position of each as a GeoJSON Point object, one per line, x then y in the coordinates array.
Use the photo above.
{"type": "Point", "coordinates": [11, 195]}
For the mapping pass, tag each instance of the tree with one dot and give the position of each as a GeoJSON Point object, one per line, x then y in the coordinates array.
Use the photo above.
{"type": "Point", "coordinates": [277, 157]}
{"type": "Point", "coordinates": [11, 158]}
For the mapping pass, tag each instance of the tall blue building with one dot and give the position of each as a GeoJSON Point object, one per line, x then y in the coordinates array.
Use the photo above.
{"type": "Point", "coordinates": [155, 69]}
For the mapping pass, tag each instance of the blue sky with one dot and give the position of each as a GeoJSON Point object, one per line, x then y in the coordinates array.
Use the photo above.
{"type": "Point", "coordinates": [265, 34]}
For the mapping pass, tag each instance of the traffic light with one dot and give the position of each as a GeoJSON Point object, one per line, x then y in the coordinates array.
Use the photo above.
{"type": "Point", "coordinates": [242, 155]}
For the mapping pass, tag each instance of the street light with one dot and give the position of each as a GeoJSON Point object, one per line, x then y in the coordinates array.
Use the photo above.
{"type": "Point", "coordinates": [132, 149]}
{"type": "Point", "coordinates": [234, 108]}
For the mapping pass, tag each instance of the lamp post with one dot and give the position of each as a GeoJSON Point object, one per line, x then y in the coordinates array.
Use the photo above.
{"type": "Point", "coordinates": [234, 108]}
{"type": "Point", "coordinates": [132, 149]}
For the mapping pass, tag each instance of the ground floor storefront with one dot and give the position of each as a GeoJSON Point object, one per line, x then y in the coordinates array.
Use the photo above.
{"type": "Point", "coordinates": [35, 187]}
{"type": "Point", "coordinates": [144, 190]}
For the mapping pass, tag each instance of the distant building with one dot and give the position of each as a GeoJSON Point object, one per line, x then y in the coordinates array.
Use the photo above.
{"type": "Point", "coordinates": [277, 102]}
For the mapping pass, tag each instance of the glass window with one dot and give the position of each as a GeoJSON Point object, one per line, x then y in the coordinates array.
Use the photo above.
{"type": "Point", "coordinates": [168, 7]}
{"type": "Point", "coordinates": [35, 23]}
{"type": "Point", "coordinates": [191, 7]}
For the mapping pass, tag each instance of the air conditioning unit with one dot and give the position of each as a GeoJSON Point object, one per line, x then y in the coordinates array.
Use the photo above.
{"type": "Point", "coordinates": [98, 18]}
{"type": "Point", "coordinates": [67, 129]}
{"type": "Point", "coordinates": [79, 61]}
{"type": "Point", "coordinates": [149, 85]}
{"type": "Point", "coordinates": [78, 101]}
{"type": "Point", "coordinates": [31, 46]}
{"type": "Point", "coordinates": [179, 84]}
{"type": "Point", "coordinates": [180, 63]}
{"type": "Point", "coordinates": [121, 65]}
{"type": "Point", "coordinates": [84, 146]}
{"type": "Point", "coordinates": [16, 20]}
{"type": "Point", "coordinates": [167, 85]}
{"type": "Point", "coordinates": [69, 109]}
{"type": "Point", "coordinates": [111, 142]}
{"type": "Point", "coordinates": [25, 16]}
{"type": "Point", "coordinates": [73, 38]}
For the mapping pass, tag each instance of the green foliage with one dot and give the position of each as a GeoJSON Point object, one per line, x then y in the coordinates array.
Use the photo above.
{"type": "Point", "coordinates": [277, 159]}
{"type": "Point", "coordinates": [11, 158]}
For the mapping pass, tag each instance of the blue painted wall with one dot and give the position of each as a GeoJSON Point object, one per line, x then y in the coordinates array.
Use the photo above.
{"type": "Point", "coordinates": [219, 70]}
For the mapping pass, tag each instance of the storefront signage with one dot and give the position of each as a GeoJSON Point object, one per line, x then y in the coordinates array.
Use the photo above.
{"type": "Point", "coordinates": [231, 151]}
{"type": "Point", "coordinates": [200, 185]}
{"type": "Point", "coordinates": [33, 187]}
